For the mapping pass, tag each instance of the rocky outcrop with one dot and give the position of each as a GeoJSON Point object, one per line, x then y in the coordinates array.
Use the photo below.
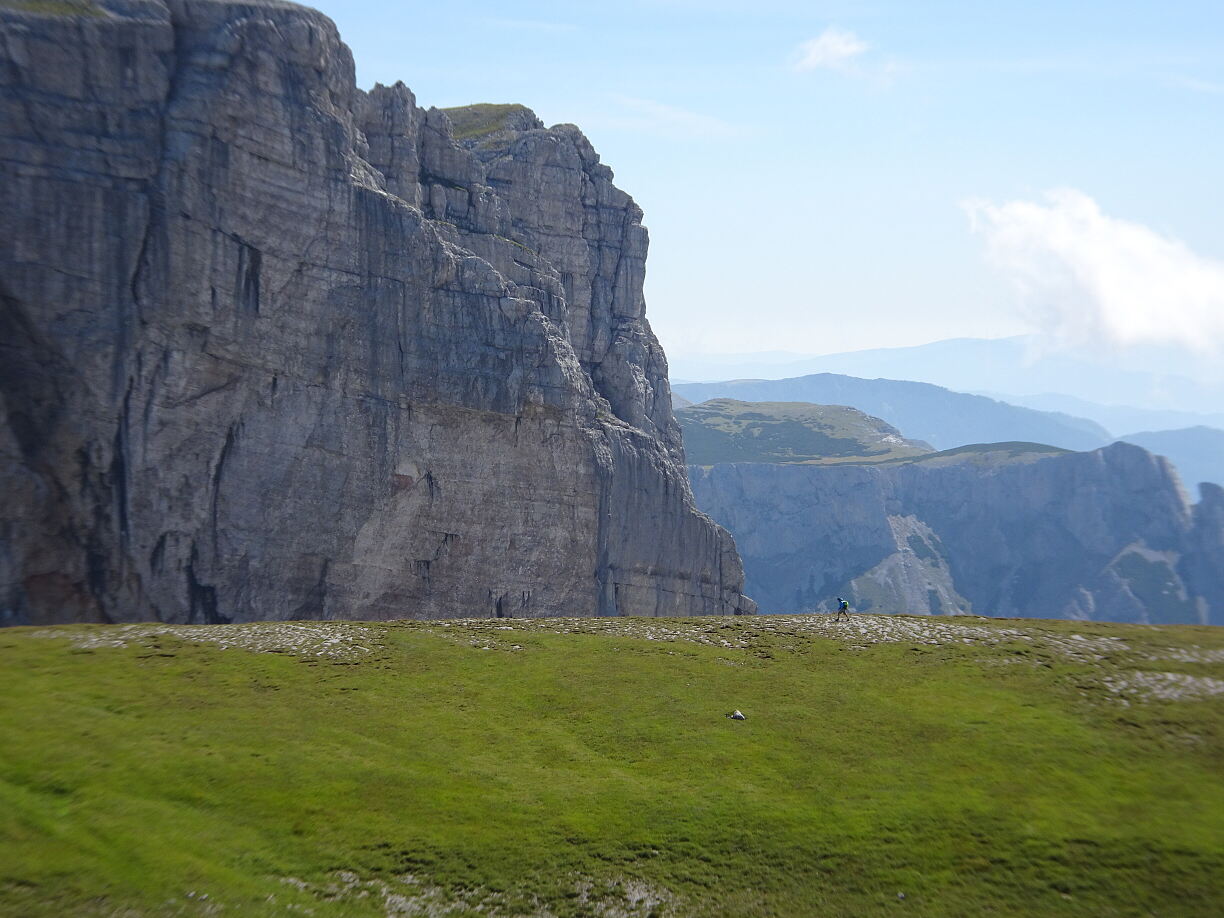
{"type": "Point", "coordinates": [1197, 452]}
{"type": "Point", "coordinates": [1002, 529]}
{"type": "Point", "coordinates": [272, 347]}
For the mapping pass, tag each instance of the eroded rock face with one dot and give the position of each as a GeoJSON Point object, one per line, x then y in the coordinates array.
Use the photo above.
{"type": "Point", "coordinates": [272, 347]}
{"type": "Point", "coordinates": [1105, 535]}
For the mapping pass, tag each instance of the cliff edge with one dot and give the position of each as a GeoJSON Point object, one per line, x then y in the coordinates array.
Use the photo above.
{"type": "Point", "coordinates": [1001, 529]}
{"type": "Point", "coordinates": [272, 347]}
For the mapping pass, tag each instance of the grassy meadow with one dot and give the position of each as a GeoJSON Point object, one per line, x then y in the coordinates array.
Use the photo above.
{"type": "Point", "coordinates": [726, 430]}
{"type": "Point", "coordinates": [471, 122]}
{"type": "Point", "coordinates": [891, 766]}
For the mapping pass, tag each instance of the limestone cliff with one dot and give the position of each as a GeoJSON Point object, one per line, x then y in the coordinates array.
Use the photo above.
{"type": "Point", "coordinates": [1001, 529]}
{"type": "Point", "coordinates": [273, 347]}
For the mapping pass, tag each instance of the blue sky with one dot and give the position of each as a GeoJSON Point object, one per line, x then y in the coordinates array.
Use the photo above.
{"type": "Point", "coordinates": [827, 176]}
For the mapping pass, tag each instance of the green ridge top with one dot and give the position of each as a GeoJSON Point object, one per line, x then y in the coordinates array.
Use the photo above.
{"type": "Point", "coordinates": [989, 453]}
{"type": "Point", "coordinates": [727, 430]}
{"type": "Point", "coordinates": [481, 119]}
{"type": "Point", "coordinates": [53, 7]}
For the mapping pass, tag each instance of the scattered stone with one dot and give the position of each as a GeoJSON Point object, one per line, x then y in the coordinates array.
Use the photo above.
{"type": "Point", "coordinates": [1139, 685]}
{"type": "Point", "coordinates": [1103, 659]}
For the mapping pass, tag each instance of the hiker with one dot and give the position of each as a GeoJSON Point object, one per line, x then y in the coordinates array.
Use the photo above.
{"type": "Point", "coordinates": [843, 608]}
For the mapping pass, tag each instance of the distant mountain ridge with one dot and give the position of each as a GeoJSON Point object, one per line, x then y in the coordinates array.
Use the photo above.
{"type": "Point", "coordinates": [1143, 377]}
{"type": "Point", "coordinates": [923, 411]}
{"type": "Point", "coordinates": [1120, 420]}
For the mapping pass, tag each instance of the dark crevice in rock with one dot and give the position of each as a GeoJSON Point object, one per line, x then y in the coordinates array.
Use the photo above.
{"type": "Point", "coordinates": [231, 437]}
{"type": "Point", "coordinates": [246, 284]}
{"type": "Point", "coordinates": [315, 603]}
{"type": "Point", "coordinates": [201, 597]}
{"type": "Point", "coordinates": [31, 375]}
{"type": "Point", "coordinates": [119, 466]}
{"type": "Point", "coordinates": [158, 555]}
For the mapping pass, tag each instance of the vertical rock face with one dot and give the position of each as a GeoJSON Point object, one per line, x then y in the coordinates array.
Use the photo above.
{"type": "Point", "coordinates": [272, 347]}
{"type": "Point", "coordinates": [1205, 561]}
{"type": "Point", "coordinates": [1003, 529]}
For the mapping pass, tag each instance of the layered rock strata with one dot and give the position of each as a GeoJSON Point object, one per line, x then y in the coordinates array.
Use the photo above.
{"type": "Point", "coordinates": [272, 347]}
{"type": "Point", "coordinates": [1004, 529]}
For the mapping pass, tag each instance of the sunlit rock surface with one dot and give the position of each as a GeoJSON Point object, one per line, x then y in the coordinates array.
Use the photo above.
{"type": "Point", "coordinates": [1000, 529]}
{"type": "Point", "coordinates": [272, 347]}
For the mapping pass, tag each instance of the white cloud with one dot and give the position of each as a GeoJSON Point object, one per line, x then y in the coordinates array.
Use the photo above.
{"type": "Point", "coordinates": [1090, 279]}
{"type": "Point", "coordinates": [832, 49]}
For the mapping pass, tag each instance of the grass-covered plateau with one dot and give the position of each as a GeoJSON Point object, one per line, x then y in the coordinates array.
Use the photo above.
{"type": "Point", "coordinates": [888, 766]}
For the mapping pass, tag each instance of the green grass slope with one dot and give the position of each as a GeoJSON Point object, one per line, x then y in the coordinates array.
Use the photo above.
{"type": "Point", "coordinates": [53, 7]}
{"type": "Point", "coordinates": [726, 430]}
{"type": "Point", "coordinates": [889, 766]}
{"type": "Point", "coordinates": [471, 122]}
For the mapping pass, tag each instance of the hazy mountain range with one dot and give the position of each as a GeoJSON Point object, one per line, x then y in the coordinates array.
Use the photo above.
{"type": "Point", "coordinates": [1078, 398]}
{"type": "Point", "coordinates": [1151, 378]}
{"type": "Point", "coordinates": [1120, 420]}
